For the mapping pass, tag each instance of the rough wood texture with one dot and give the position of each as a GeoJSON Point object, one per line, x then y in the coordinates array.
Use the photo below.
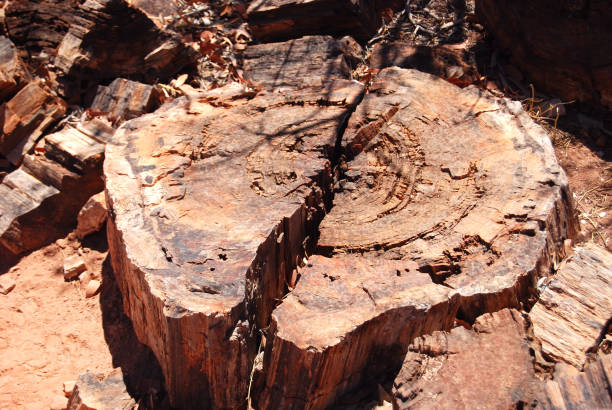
{"type": "Point", "coordinates": [111, 39]}
{"type": "Point", "coordinates": [575, 307]}
{"type": "Point", "coordinates": [39, 25]}
{"type": "Point", "coordinates": [13, 73]}
{"type": "Point", "coordinates": [212, 204]}
{"type": "Point", "coordinates": [124, 99]}
{"type": "Point", "coordinates": [308, 61]}
{"type": "Point", "coordinates": [349, 319]}
{"type": "Point", "coordinates": [486, 367]}
{"type": "Point", "coordinates": [570, 389]}
{"type": "Point", "coordinates": [538, 35]}
{"type": "Point", "coordinates": [285, 19]}
{"type": "Point", "coordinates": [40, 200]}
{"type": "Point", "coordinates": [25, 117]}
{"type": "Point", "coordinates": [96, 392]}
{"type": "Point", "coordinates": [469, 193]}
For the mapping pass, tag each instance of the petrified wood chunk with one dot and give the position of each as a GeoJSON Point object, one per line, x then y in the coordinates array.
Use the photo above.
{"type": "Point", "coordinates": [469, 193]}
{"type": "Point", "coordinates": [489, 365]}
{"type": "Point", "coordinates": [25, 117]}
{"type": "Point", "coordinates": [96, 392]}
{"type": "Point", "coordinates": [570, 389]}
{"type": "Point", "coordinates": [124, 99]}
{"type": "Point", "coordinates": [111, 39]}
{"type": "Point", "coordinates": [575, 307]}
{"type": "Point", "coordinates": [40, 200]}
{"type": "Point", "coordinates": [564, 47]}
{"type": "Point", "coordinates": [350, 318]}
{"type": "Point", "coordinates": [310, 60]}
{"type": "Point", "coordinates": [13, 74]}
{"type": "Point", "coordinates": [212, 204]}
{"type": "Point", "coordinates": [285, 19]}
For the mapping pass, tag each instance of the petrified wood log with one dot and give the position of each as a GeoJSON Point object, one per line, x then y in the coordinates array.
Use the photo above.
{"type": "Point", "coordinates": [212, 204]}
{"type": "Point", "coordinates": [40, 200]}
{"type": "Point", "coordinates": [13, 73]}
{"type": "Point", "coordinates": [285, 19]}
{"type": "Point", "coordinates": [575, 307]}
{"type": "Point", "coordinates": [25, 117]}
{"type": "Point", "coordinates": [564, 47]}
{"type": "Point", "coordinates": [307, 61]}
{"type": "Point", "coordinates": [489, 365]}
{"type": "Point", "coordinates": [39, 25]}
{"type": "Point", "coordinates": [469, 193]}
{"type": "Point", "coordinates": [111, 39]}
{"type": "Point", "coordinates": [124, 99]}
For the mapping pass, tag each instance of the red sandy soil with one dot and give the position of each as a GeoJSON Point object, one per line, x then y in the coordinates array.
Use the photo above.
{"type": "Point", "coordinates": [49, 332]}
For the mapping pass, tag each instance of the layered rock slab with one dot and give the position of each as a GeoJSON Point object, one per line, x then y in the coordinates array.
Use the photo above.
{"type": "Point", "coordinates": [467, 195]}
{"type": "Point", "coordinates": [40, 200]}
{"type": "Point", "coordinates": [124, 99]}
{"type": "Point", "coordinates": [575, 307]}
{"type": "Point", "coordinates": [212, 203]}
{"type": "Point", "coordinates": [486, 367]}
{"type": "Point", "coordinates": [13, 73]}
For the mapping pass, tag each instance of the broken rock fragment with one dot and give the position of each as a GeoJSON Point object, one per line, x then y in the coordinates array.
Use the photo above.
{"type": "Point", "coordinates": [40, 200]}
{"type": "Point", "coordinates": [307, 61]}
{"type": "Point", "coordinates": [25, 117]}
{"type": "Point", "coordinates": [73, 267]}
{"type": "Point", "coordinates": [575, 307]}
{"type": "Point", "coordinates": [213, 203]}
{"type": "Point", "coordinates": [99, 392]}
{"type": "Point", "coordinates": [124, 99]}
{"type": "Point", "coordinates": [13, 73]}
{"type": "Point", "coordinates": [348, 319]}
{"type": "Point", "coordinates": [489, 364]}
{"type": "Point", "coordinates": [92, 216]}
{"type": "Point", "coordinates": [284, 19]}
{"type": "Point", "coordinates": [112, 39]}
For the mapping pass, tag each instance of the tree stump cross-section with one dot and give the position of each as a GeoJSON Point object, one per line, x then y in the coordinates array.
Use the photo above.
{"type": "Point", "coordinates": [449, 203]}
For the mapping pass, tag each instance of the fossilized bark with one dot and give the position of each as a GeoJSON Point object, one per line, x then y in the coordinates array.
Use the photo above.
{"type": "Point", "coordinates": [212, 204]}
{"type": "Point", "coordinates": [575, 307]}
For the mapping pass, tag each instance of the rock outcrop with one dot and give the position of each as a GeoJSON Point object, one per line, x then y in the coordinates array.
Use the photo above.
{"type": "Point", "coordinates": [575, 306]}
{"type": "Point", "coordinates": [565, 47]}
